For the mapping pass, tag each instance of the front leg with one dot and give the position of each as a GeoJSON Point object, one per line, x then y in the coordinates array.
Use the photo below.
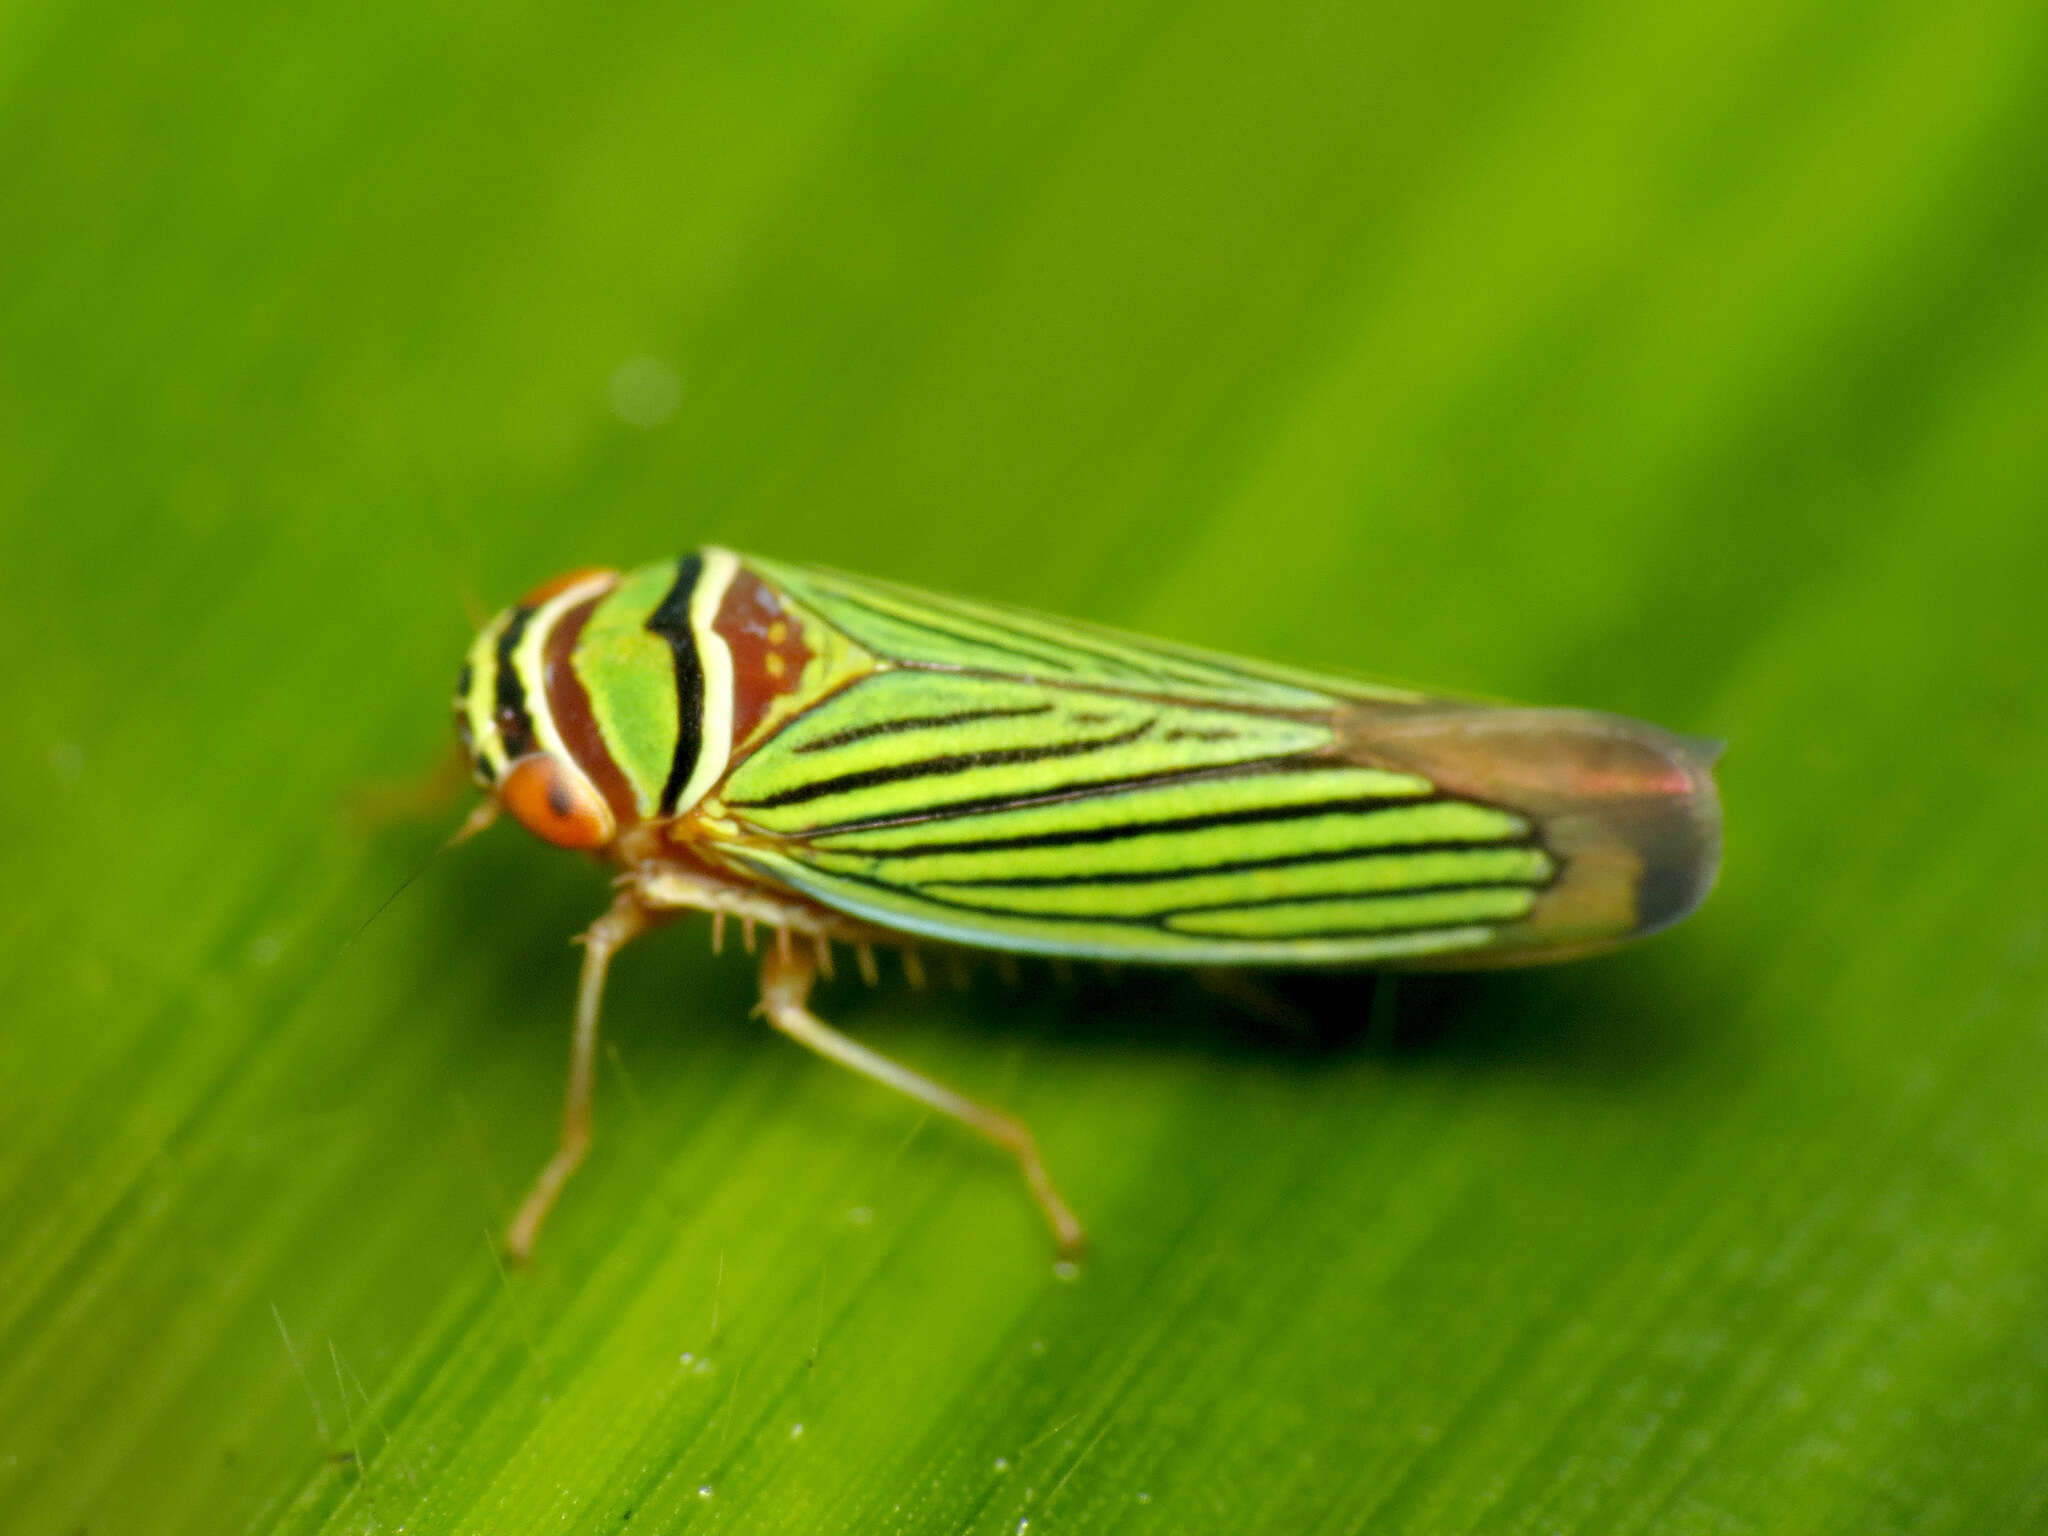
{"type": "Point", "coordinates": [650, 895]}
{"type": "Point", "coordinates": [626, 921]}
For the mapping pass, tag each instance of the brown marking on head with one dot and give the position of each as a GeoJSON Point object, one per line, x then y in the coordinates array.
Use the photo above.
{"type": "Point", "coordinates": [575, 722]}
{"type": "Point", "coordinates": [560, 584]}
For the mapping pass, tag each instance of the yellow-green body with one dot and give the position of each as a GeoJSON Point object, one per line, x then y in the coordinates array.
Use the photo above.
{"type": "Point", "coordinates": [846, 761]}
{"type": "Point", "coordinates": [997, 779]}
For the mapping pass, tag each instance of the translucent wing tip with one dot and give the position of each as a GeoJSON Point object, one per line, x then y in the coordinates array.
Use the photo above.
{"type": "Point", "coordinates": [1677, 837]}
{"type": "Point", "coordinates": [1706, 750]}
{"type": "Point", "coordinates": [1629, 811]}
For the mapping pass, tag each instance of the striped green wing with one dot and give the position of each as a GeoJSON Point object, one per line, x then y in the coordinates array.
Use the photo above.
{"type": "Point", "coordinates": [1010, 782]}
{"type": "Point", "coordinates": [928, 629]}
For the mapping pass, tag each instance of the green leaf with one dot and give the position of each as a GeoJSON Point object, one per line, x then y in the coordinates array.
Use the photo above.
{"type": "Point", "coordinates": [1687, 363]}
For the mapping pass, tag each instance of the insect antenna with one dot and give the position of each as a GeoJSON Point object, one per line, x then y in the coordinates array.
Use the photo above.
{"type": "Point", "coordinates": [472, 824]}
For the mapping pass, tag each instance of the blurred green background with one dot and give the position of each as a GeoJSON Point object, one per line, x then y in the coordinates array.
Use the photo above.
{"type": "Point", "coordinates": [1690, 362]}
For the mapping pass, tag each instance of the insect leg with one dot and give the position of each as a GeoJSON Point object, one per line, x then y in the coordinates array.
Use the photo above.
{"type": "Point", "coordinates": [785, 987]}
{"type": "Point", "coordinates": [626, 921]}
{"type": "Point", "coordinates": [1259, 1001]}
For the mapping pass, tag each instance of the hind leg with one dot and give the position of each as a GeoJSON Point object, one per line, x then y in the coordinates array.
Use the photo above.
{"type": "Point", "coordinates": [786, 978]}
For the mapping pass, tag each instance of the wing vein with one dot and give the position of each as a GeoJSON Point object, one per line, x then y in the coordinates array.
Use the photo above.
{"type": "Point", "coordinates": [942, 766]}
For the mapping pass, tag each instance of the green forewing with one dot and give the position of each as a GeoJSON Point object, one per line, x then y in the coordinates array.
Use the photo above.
{"type": "Point", "coordinates": [927, 629]}
{"type": "Point", "coordinates": [914, 743]}
{"type": "Point", "coordinates": [1006, 781]}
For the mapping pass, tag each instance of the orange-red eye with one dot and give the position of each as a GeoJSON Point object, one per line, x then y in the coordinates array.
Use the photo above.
{"type": "Point", "coordinates": [556, 803]}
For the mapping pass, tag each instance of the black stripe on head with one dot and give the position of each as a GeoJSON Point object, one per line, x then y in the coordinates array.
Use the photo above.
{"type": "Point", "coordinates": [671, 621]}
{"type": "Point", "coordinates": [515, 725]}
{"type": "Point", "coordinates": [463, 734]}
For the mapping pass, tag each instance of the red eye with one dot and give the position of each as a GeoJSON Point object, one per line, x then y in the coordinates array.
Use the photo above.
{"type": "Point", "coordinates": [555, 803]}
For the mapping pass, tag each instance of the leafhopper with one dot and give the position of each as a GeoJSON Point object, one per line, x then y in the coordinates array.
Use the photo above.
{"type": "Point", "coordinates": [837, 761]}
